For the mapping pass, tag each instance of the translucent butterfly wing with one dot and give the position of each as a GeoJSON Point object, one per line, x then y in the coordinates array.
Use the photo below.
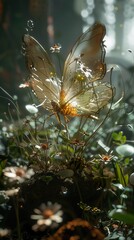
{"type": "Point", "coordinates": [90, 102]}
{"type": "Point", "coordinates": [83, 72]}
{"type": "Point", "coordinates": [80, 93]}
{"type": "Point", "coordinates": [89, 49]}
{"type": "Point", "coordinates": [42, 73]}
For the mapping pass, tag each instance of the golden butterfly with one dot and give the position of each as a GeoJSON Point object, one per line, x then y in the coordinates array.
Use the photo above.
{"type": "Point", "coordinates": [81, 90]}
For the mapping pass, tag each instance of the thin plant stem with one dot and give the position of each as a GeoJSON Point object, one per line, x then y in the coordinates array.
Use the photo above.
{"type": "Point", "coordinates": [16, 207]}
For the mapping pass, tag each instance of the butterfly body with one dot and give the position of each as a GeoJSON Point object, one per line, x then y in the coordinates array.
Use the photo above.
{"type": "Point", "coordinates": [81, 91]}
{"type": "Point", "coordinates": [66, 110]}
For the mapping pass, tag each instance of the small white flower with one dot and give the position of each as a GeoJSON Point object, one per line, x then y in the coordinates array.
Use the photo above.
{"type": "Point", "coordinates": [48, 215]}
{"type": "Point", "coordinates": [4, 129]}
{"type": "Point", "coordinates": [4, 232]}
{"type": "Point", "coordinates": [12, 192]}
{"type": "Point", "coordinates": [24, 85]}
{"type": "Point", "coordinates": [15, 97]}
{"type": "Point", "coordinates": [37, 147]}
{"type": "Point", "coordinates": [32, 109]}
{"type": "Point", "coordinates": [55, 48]}
{"type": "Point", "coordinates": [18, 173]}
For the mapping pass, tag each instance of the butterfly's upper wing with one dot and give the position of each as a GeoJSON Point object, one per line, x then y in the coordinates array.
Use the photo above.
{"type": "Point", "coordinates": [42, 77]}
{"type": "Point", "coordinates": [83, 71]}
{"type": "Point", "coordinates": [90, 50]}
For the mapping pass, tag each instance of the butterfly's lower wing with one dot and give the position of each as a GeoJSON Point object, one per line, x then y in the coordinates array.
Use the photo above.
{"type": "Point", "coordinates": [88, 102]}
{"type": "Point", "coordinates": [92, 101]}
{"type": "Point", "coordinates": [42, 79]}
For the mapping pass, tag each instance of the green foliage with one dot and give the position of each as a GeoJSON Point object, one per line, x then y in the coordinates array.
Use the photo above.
{"type": "Point", "coordinates": [121, 177]}
{"type": "Point", "coordinates": [2, 166]}
{"type": "Point", "coordinates": [119, 138]}
{"type": "Point", "coordinates": [122, 216]}
{"type": "Point", "coordinates": [70, 152]}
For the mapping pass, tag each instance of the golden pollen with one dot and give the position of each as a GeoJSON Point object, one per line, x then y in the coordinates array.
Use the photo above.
{"type": "Point", "coordinates": [51, 74]}
{"type": "Point", "coordinates": [80, 77]}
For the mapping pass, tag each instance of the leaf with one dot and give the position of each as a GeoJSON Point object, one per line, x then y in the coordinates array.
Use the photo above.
{"type": "Point", "coordinates": [66, 173]}
{"type": "Point", "coordinates": [66, 149]}
{"type": "Point", "coordinates": [120, 175]}
{"type": "Point", "coordinates": [126, 177]}
{"type": "Point", "coordinates": [2, 166]}
{"type": "Point", "coordinates": [119, 138]}
{"type": "Point", "coordinates": [125, 150]}
{"type": "Point", "coordinates": [127, 160]}
{"type": "Point", "coordinates": [114, 236]}
{"type": "Point", "coordinates": [47, 179]}
{"type": "Point", "coordinates": [118, 185]}
{"type": "Point", "coordinates": [122, 216]}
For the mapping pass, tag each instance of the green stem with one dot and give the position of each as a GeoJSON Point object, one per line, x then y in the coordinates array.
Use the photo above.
{"type": "Point", "coordinates": [16, 206]}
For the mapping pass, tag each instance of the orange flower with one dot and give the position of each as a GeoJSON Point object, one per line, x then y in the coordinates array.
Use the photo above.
{"type": "Point", "coordinates": [106, 158]}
